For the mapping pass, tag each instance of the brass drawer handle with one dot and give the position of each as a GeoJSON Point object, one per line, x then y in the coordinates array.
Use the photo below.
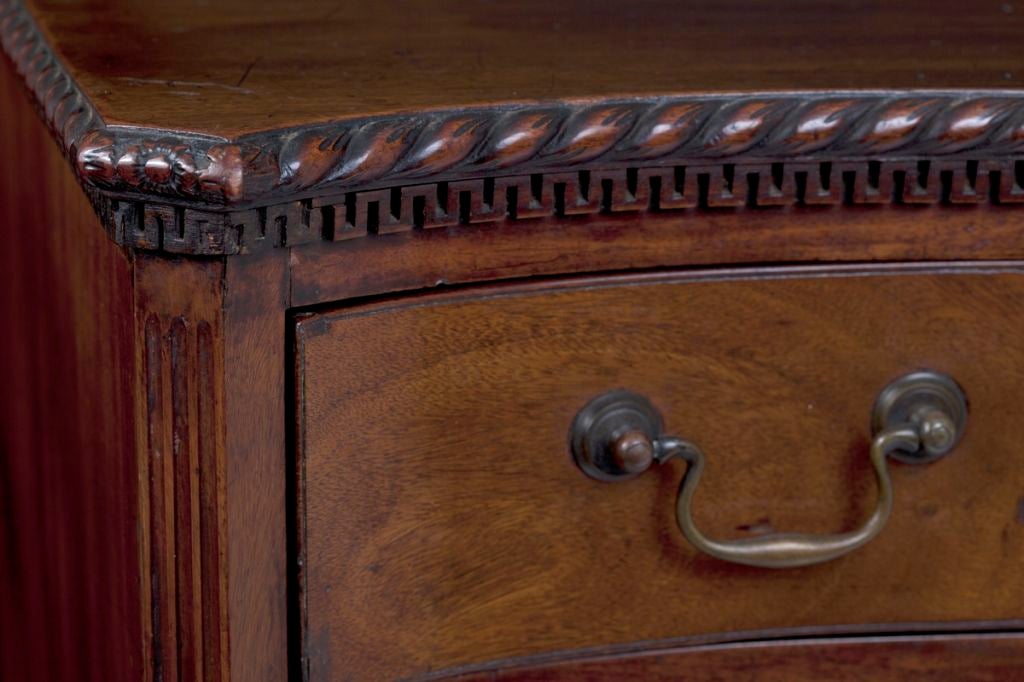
{"type": "Point", "coordinates": [917, 418]}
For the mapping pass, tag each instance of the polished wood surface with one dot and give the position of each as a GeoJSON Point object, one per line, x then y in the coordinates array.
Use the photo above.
{"type": "Point", "coordinates": [968, 658]}
{"type": "Point", "coordinates": [242, 66]}
{"type": "Point", "coordinates": [256, 438]}
{"type": "Point", "coordinates": [341, 154]}
{"type": "Point", "coordinates": [211, 446]}
{"type": "Point", "coordinates": [762, 139]}
{"type": "Point", "coordinates": [143, 444]}
{"type": "Point", "coordinates": [70, 602]}
{"type": "Point", "coordinates": [444, 524]}
{"type": "Point", "coordinates": [180, 449]}
{"type": "Point", "coordinates": [549, 246]}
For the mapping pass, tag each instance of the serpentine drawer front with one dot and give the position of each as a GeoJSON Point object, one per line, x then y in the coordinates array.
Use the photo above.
{"type": "Point", "coordinates": [444, 523]}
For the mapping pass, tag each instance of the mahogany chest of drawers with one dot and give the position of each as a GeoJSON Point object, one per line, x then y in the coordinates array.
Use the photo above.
{"type": "Point", "coordinates": [581, 340]}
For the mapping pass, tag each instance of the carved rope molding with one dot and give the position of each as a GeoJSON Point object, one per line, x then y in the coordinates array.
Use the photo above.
{"type": "Point", "coordinates": [280, 165]}
{"type": "Point", "coordinates": [191, 189]}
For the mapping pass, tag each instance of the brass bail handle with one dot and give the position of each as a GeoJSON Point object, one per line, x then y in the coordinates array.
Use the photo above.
{"type": "Point", "coordinates": [918, 418]}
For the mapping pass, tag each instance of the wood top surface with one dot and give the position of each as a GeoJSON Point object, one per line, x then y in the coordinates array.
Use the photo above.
{"type": "Point", "coordinates": [196, 126]}
{"type": "Point", "coordinates": [242, 66]}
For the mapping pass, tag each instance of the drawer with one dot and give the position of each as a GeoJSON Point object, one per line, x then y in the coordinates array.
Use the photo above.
{"type": "Point", "coordinates": [443, 524]}
{"type": "Point", "coordinates": [965, 658]}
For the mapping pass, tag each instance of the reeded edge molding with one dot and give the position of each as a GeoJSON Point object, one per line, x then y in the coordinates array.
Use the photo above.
{"type": "Point", "coordinates": [179, 170]}
{"type": "Point", "coordinates": [182, 494]}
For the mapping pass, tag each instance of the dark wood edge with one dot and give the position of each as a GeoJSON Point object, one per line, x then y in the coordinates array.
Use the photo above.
{"type": "Point", "coordinates": [870, 633]}
{"type": "Point", "coordinates": [188, 193]}
{"type": "Point", "coordinates": [312, 321]}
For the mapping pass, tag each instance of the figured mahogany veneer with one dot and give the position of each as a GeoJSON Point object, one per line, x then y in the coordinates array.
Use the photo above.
{"type": "Point", "coordinates": [443, 523]}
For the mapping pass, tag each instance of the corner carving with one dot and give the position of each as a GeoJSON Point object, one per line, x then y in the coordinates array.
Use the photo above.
{"type": "Point", "coordinates": [165, 166]}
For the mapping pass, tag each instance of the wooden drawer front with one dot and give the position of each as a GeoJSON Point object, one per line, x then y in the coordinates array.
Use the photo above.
{"type": "Point", "coordinates": [443, 523]}
{"type": "Point", "coordinates": [964, 658]}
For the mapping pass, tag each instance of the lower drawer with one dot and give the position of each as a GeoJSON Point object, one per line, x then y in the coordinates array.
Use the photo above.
{"type": "Point", "coordinates": [964, 658]}
{"type": "Point", "coordinates": [443, 523]}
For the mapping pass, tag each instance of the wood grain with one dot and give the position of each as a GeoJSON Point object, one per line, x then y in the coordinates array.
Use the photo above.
{"type": "Point", "coordinates": [180, 189]}
{"type": "Point", "coordinates": [247, 66]}
{"type": "Point", "coordinates": [256, 442]}
{"type": "Point", "coordinates": [213, 444]}
{"type": "Point", "coordinates": [970, 658]}
{"type": "Point", "coordinates": [145, 481]}
{"type": "Point", "coordinates": [428, 258]}
{"type": "Point", "coordinates": [446, 525]}
{"type": "Point", "coordinates": [180, 449]}
{"type": "Point", "coordinates": [71, 607]}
